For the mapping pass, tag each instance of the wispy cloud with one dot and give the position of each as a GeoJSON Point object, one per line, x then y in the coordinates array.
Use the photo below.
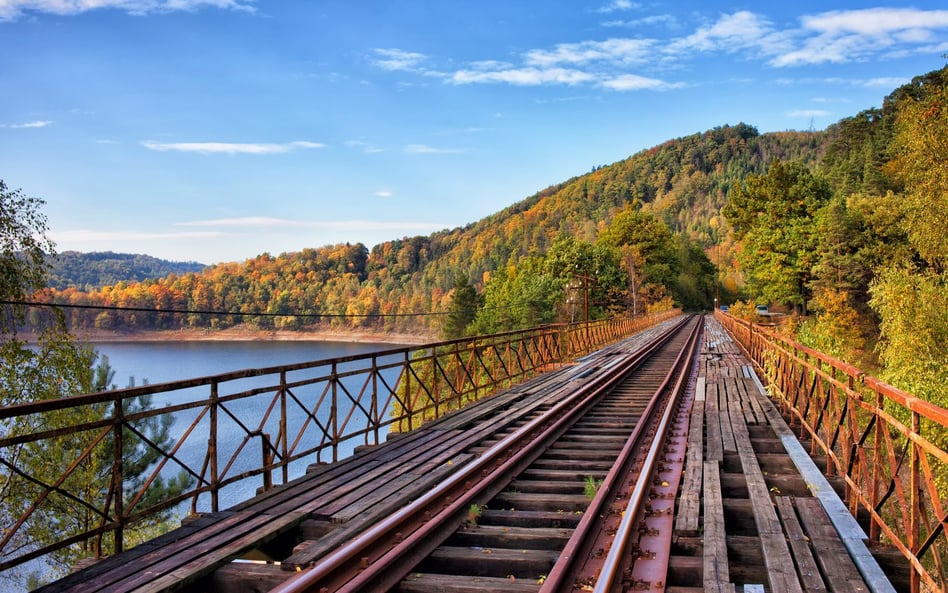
{"type": "Point", "coordinates": [884, 82]}
{"type": "Point", "coordinates": [264, 222]}
{"type": "Point", "coordinates": [31, 124]}
{"type": "Point", "coordinates": [425, 149]}
{"type": "Point", "coordinates": [634, 82]}
{"type": "Point", "coordinates": [667, 20]}
{"type": "Point", "coordinates": [808, 113]}
{"type": "Point", "coordinates": [230, 148]}
{"type": "Point", "coordinates": [853, 35]}
{"type": "Point", "coordinates": [13, 9]}
{"type": "Point", "coordinates": [523, 76]}
{"type": "Point", "coordinates": [732, 33]}
{"type": "Point", "coordinates": [365, 147]}
{"type": "Point", "coordinates": [633, 64]}
{"type": "Point", "coordinates": [617, 6]}
{"type": "Point", "coordinates": [384, 193]}
{"type": "Point", "coordinates": [397, 59]}
{"type": "Point", "coordinates": [620, 51]}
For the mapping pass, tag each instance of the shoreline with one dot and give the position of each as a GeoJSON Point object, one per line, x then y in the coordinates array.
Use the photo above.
{"type": "Point", "coordinates": [243, 334]}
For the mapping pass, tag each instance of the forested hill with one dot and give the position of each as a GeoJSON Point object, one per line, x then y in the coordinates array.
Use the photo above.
{"type": "Point", "coordinates": [89, 271]}
{"type": "Point", "coordinates": [649, 227]}
{"type": "Point", "coordinates": [683, 181]}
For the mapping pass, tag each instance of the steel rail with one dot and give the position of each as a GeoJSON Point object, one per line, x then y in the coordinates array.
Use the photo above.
{"type": "Point", "coordinates": [576, 551]}
{"type": "Point", "coordinates": [612, 569]}
{"type": "Point", "coordinates": [381, 556]}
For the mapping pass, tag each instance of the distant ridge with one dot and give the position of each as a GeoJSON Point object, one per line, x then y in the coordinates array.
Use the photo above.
{"type": "Point", "coordinates": [87, 271]}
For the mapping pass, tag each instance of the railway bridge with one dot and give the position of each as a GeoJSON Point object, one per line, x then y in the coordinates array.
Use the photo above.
{"type": "Point", "coordinates": [680, 454]}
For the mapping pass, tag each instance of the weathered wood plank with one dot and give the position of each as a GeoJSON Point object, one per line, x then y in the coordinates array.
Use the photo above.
{"type": "Point", "coordinates": [687, 520]}
{"type": "Point", "coordinates": [727, 404]}
{"type": "Point", "coordinates": [418, 582]}
{"type": "Point", "coordinates": [714, 447]}
{"type": "Point", "coordinates": [845, 524]}
{"type": "Point", "coordinates": [809, 572]}
{"type": "Point", "coordinates": [777, 556]}
{"type": "Point", "coordinates": [716, 573]}
{"type": "Point", "coordinates": [841, 574]}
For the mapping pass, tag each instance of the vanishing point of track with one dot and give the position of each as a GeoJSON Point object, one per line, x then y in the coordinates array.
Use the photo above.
{"type": "Point", "coordinates": [554, 501]}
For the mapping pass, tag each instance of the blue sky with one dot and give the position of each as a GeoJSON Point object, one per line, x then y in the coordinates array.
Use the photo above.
{"type": "Point", "coordinates": [216, 130]}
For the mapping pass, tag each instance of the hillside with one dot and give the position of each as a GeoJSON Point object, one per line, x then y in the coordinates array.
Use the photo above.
{"type": "Point", "coordinates": [89, 271]}
{"type": "Point", "coordinates": [527, 252]}
{"type": "Point", "coordinates": [683, 181]}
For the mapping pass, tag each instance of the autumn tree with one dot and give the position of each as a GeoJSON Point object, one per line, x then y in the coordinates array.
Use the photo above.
{"type": "Point", "coordinates": [911, 295]}
{"type": "Point", "coordinates": [648, 252]}
{"type": "Point", "coordinates": [773, 215]}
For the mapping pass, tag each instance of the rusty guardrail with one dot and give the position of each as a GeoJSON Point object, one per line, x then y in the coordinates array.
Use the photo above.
{"type": "Point", "coordinates": [887, 445]}
{"type": "Point", "coordinates": [214, 435]}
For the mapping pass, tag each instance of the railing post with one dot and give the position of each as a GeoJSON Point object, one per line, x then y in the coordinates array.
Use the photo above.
{"type": "Point", "coordinates": [118, 477]}
{"type": "Point", "coordinates": [877, 477]}
{"type": "Point", "coordinates": [435, 383]}
{"type": "Point", "coordinates": [212, 447]}
{"type": "Point", "coordinates": [266, 455]}
{"type": "Point", "coordinates": [915, 502]}
{"type": "Point", "coordinates": [334, 411]}
{"type": "Point", "coordinates": [374, 406]}
{"type": "Point", "coordinates": [408, 404]}
{"type": "Point", "coordinates": [284, 428]}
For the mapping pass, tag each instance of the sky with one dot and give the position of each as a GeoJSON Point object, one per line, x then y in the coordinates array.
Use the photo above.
{"type": "Point", "coordinates": [217, 130]}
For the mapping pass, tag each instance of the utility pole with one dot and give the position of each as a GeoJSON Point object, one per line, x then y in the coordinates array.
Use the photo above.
{"type": "Point", "coordinates": [717, 273]}
{"type": "Point", "coordinates": [586, 278]}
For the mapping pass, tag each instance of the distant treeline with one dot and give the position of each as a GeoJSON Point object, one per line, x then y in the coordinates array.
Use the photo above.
{"type": "Point", "coordinates": [90, 271]}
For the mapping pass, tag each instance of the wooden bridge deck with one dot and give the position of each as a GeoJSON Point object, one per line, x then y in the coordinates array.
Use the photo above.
{"type": "Point", "coordinates": [748, 517]}
{"type": "Point", "coordinates": [754, 510]}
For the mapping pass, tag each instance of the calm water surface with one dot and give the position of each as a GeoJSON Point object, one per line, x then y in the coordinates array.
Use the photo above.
{"type": "Point", "coordinates": [161, 362]}
{"type": "Point", "coordinates": [158, 362]}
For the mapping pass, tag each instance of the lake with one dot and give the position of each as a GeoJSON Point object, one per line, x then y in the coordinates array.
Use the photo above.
{"type": "Point", "coordinates": [160, 362]}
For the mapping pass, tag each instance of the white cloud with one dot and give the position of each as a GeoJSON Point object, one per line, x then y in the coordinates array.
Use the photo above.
{"type": "Point", "coordinates": [742, 30]}
{"type": "Point", "coordinates": [13, 9]}
{"type": "Point", "coordinates": [649, 21]}
{"type": "Point", "coordinates": [31, 124]}
{"type": "Point", "coordinates": [852, 35]}
{"type": "Point", "coordinates": [876, 21]}
{"type": "Point", "coordinates": [808, 113]}
{"type": "Point", "coordinates": [425, 149]}
{"type": "Point", "coordinates": [364, 146]}
{"type": "Point", "coordinates": [397, 59]}
{"type": "Point", "coordinates": [633, 82]}
{"type": "Point", "coordinates": [617, 5]}
{"type": "Point", "coordinates": [835, 36]}
{"type": "Point", "coordinates": [384, 193]}
{"type": "Point", "coordinates": [622, 51]}
{"type": "Point", "coordinates": [832, 99]}
{"type": "Point", "coordinates": [885, 83]}
{"type": "Point", "coordinates": [230, 148]}
{"type": "Point", "coordinates": [523, 76]}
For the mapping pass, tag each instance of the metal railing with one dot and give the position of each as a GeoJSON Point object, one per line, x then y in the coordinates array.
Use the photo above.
{"type": "Point", "coordinates": [888, 446]}
{"type": "Point", "coordinates": [218, 437]}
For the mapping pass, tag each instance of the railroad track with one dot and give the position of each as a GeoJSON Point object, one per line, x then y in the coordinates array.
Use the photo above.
{"type": "Point", "coordinates": [553, 502]}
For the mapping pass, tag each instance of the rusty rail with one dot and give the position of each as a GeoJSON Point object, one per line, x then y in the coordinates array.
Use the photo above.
{"type": "Point", "coordinates": [888, 446]}
{"type": "Point", "coordinates": [382, 555]}
{"type": "Point", "coordinates": [255, 425]}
